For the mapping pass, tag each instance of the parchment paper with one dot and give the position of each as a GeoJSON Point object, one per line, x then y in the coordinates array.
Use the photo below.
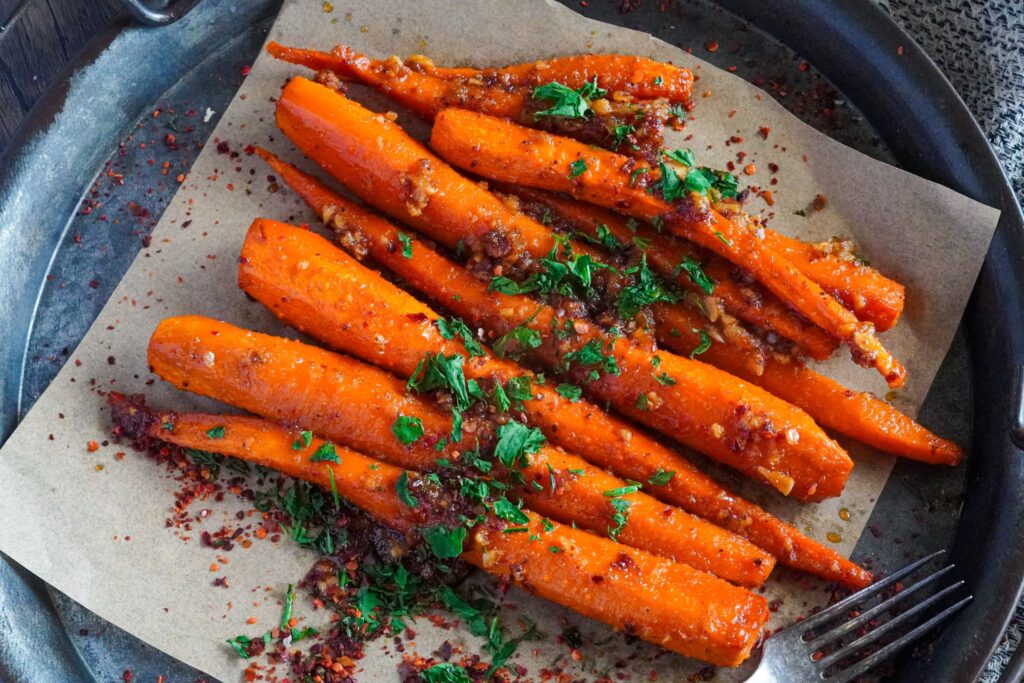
{"type": "Point", "coordinates": [70, 522]}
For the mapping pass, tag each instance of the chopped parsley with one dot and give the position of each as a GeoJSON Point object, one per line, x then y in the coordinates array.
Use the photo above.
{"type": "Point", "coordinates": [305, 438]}
{"type": "Point", "coordinates": [646, 289]}
{"type": "Point", "coordinates": [407, 429]}
{"type": "Point", "coordinates": [326, 453]}
{"type": "Point", "coordinates": [445, 543]}
{"type": "Point", "coordinates": [566, 102]}
{"type": "Point", "coordinates": [569, 391]}
{"type": "Point", "coordinates": [664, 379]}
{"type": "Point", "coordinates": [509, 512]}
{"type": "Point", "coordinates": [450, 329]}
{"type": "Point", "coordinates": [406, 244]}
{"type": "Point", "coordinates": [591, 355]}
{"type": "Point", "coordinates": [445, 672]}
{"type": "Point", "coordinates": [705, 343]}
{"type": "Point", "coordinates": [621, 133]}
{"type": "Point", "coordinates": [517, 340]}
{"type": "Point", "coordinates": [289, 601]}
{"type": "Point", "coordinates": [695, 273]}
{"type": "Point", "coordinates": [515, 441]}
{"type": "Point", "coordinates": [216, 432]}
{"type": "Point", "coordinates": [577, 168]}
{"type": "Point", "coordinates": [404, 494]}
{"type": "Point", "coordinates": [661, 477]}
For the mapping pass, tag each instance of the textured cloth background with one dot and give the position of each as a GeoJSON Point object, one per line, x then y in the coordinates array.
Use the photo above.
{"type": "Point", "coordinates": [979, 45]}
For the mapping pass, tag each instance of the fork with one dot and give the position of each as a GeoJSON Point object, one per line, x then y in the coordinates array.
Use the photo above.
{"type": "Point", "coordinates": [795, 654]}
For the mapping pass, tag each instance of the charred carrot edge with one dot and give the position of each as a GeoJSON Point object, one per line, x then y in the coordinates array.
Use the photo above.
{"type": "Point", "coordinates": [579, 499]}
{"type": "Point", "coordinates": [319, 289]}
{"type": "Point", "coordinates": [422, 94]}
{"type": "Point", "coordinates": [640, 77]}
{"type": "Point", "coordinates": [870, 295]}
{"type": "Point", "coordinates": [666, 252]}
{"type": "Point", "coordinates": [666, 603]}
{"type": "Point", "coordinates": [501, 150]}
{"type": "Point", "coordinates": [699, 410]}
{"type": "Point", "coordinates": [601, 438]}
{"type": "Point", "coordinates": [856, 414]}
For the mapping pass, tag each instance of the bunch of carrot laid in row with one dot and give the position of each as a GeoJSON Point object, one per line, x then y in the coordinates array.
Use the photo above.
{"type": "Point", "coordinates": [600, 290]}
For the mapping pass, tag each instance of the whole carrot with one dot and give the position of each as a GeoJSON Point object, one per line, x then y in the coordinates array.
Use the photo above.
{"type": "Point", "coordinates": [576, 424]}
{"type": "Point", "coordinates": [636, 76]}
{"type": "Point", "coordinates": [501, 150]}
{"type": "Point", "coordinates": [859, 415]}
{"type": "Point", "coordinates": [287, 373]}
{"type": "Point", "coordinates": [669, 604]}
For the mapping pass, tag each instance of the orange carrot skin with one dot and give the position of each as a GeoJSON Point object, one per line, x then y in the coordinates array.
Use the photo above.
{"type": "Point", "coordinates": [365, 482]}
{"type": "Point", "coordinates": [319, 289]}
{"type": "Point", "coordinates": [580, 425]}
{"type": "Point", "coordinates": [856, 414]}
{"type": "Point", "coordinates": [364, 148]}
{"type": "Point", "coordinates": [748, 302]}
{"type": "Point", "coordinates": [295, 384]}
{"type": "Point", "coordinates": [703, 617]}
{"type": "Point", "coordinates": [422, 94]}
{"type": "Point", "coordinates": [638, 76]}
{"type": "Point", "coordinates": [870, 295]}
{"type": "Point", "coordinates": [524, 156]}
{"type": "Point", "coordinates": [693, 614]}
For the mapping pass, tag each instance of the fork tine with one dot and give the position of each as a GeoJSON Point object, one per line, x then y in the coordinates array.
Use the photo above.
{"type": "Point", "coordinates": [837, 609]}
{"type": "Point", "coordinates": [868, 663]}
{"type": "Point", "coordinates": [844, 628]}
{"type": "Point", "coordinates": [877, 633]}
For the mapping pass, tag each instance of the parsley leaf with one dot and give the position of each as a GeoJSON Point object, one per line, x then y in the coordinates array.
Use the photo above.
{"type": "Point", "coordinates": [326, 453]}
{"type": "Point", "coordinates": [566, 102]}
{"type": "Point", "coordinates": [404, 494]}
{"type": "Point", "coordinates": [577, 168]}
{"type": "Point", "coordinates": [407, 429]}
{"type": "Point", "coordinates": [645, 290]}
{"type": "Point", "coordinates": [449, 329]}
{"type": "Point", "coordinates": [406, 244]}
{"type": "Point", "coordinates": [515, 441]}
{"type": "Point", "coordinates": [509, 512]}
{"type": "Point", "coordinates": [672, 187]}
{"type": "Point", "coordinates": [570, 391]}
{"type": "Point", "coordinates": [590, 355]}
{"type": "Point", "coordinates": [445, 543]}
{"type": "Point", "coordinates": [305, 438]}
{"type": "Point", "coordinates": [445, 672]}
{"type": "Point", "coordinates": [661, 477]}
{"type": "Point", "coordinates": [664, 379]}
{"type": "Point", "coordinates": [682, 156]}
{"type": "Point", "coordinates": [517, 340]}
{"type": "Point", "coordinates": [216, 432]}
{"type": "Point", "coordinates": [695, 273]}
{"type": "Point", "coordinates": [705, 343]}
{"type": "Point", "coordinates": [289, 600]}
{"type": "Point", "coordinates": [621, 133]}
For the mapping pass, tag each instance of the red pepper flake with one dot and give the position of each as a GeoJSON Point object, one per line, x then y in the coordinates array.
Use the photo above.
{"type": "Point", "coordinates": [763, 131]}
{"type": "Point", "coordinates": [246, 70]}
{"type": "Point", "coordinates": [712, 46]}
{"type": "Point", "coordinates": [730, 69]}
{"type": "Point", "coordinates": [803, 66]}
{"type": "Point", "coordinates": [899, 50]}
{"type": "Point", "coordinates": [750, 169]}
{"type": "Point", "coordinates": [819, 202]}
{"type": "Point", "coordinates": [769, 198]}
{"type": "Point", "coordinates": [94, 284]}
{"type": "Point", "coordinates": [92, 446]}
{"type": "Point", "coordinates": [127, 676]}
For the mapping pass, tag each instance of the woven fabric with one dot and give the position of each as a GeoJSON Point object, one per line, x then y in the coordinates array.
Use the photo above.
{"type": "Point", "coordinates": [979, 45]}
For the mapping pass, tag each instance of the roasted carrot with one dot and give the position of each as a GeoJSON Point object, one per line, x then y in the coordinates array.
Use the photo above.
{"type": "Point", "coordinates": [579, 425]}
{"type": "Point", "coordinates": [579, 499]}
{"type": "Point", "coordinates": [669, 604]}
{"type": "Point", "coordinates": [367, 483]}
{"type": "Point", "coordinates": [665, 253]}
{"type": "Point", "coordinates": [869, 294]}
{"type": "Point", "coordinates": [636, 76]}
{"type": "Point", "coordinates": [422, 94]}
{"type": "Point", "coordinates": [856, 414]}
{"type": "Point", "coordinates": [366, 149]}
{"type": "Point", "coordinates": [501, 150]}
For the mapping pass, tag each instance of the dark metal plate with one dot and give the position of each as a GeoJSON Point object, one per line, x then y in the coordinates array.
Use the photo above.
{"type": "Point", "coordinates": [60, 273]}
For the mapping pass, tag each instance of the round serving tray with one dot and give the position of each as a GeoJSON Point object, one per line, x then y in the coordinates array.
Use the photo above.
{"type": "Point", "coordinates": [62, 259]}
